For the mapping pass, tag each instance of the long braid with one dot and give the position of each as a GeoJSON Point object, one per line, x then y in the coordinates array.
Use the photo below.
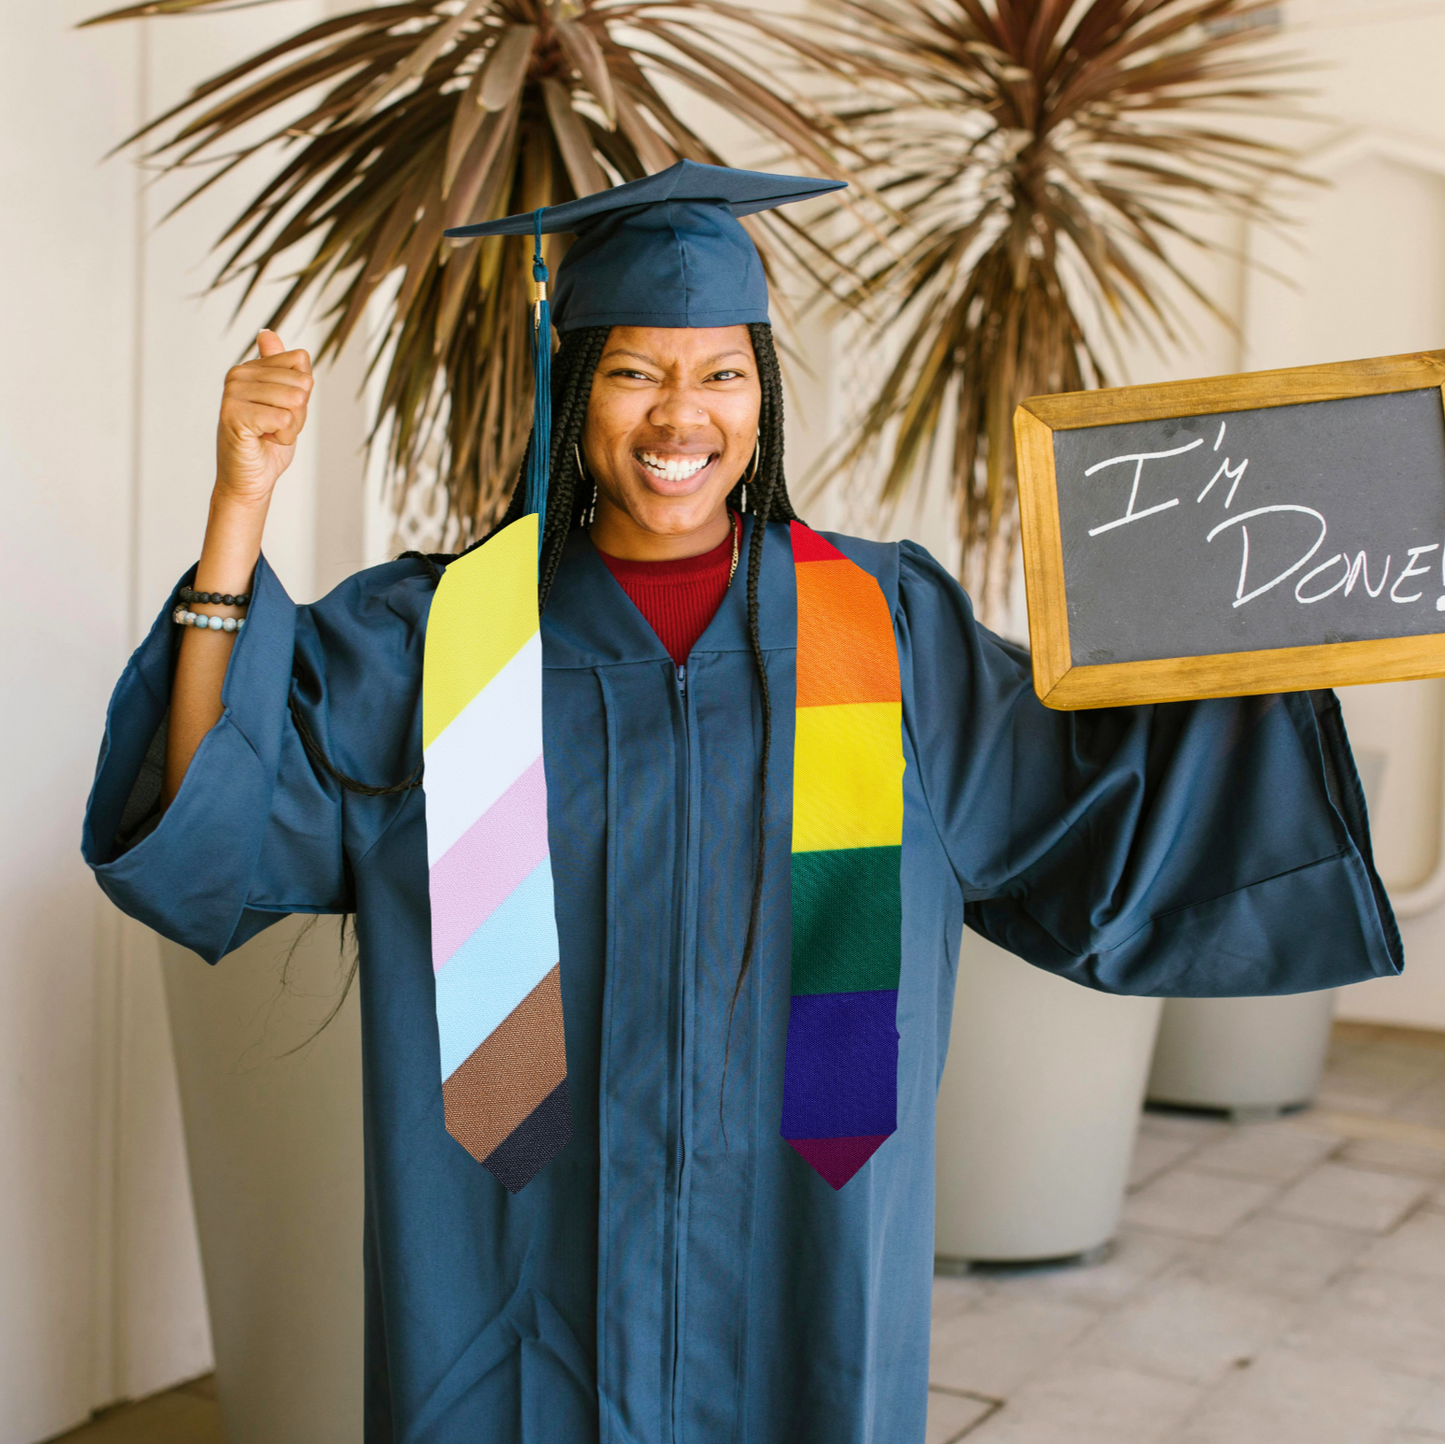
{"type": "Point", "coordinates": [574, 366]}
{"type": "Point", "coordinates": [772, 503]}
{"type": "Point", "coordinates": [770, 435]}
{"type": "Point", "coordinates": [580, 352]}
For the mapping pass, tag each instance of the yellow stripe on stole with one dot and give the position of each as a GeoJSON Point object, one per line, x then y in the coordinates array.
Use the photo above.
{"type": "Point", "coordinates": [484, 611]}
{"type": "Point", "coordinates": [847, 777]}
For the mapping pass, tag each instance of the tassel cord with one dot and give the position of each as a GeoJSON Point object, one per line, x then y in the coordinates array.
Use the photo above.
{"type": "Point", "coordinates": [540, 452]}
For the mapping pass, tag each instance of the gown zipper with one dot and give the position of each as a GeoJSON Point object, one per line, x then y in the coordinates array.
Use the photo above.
{"type": "Point", "coordinates": [684, 949]}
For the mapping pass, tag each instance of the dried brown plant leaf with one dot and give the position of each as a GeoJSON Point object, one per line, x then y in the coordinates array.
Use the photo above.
{"type": "Point", "coordinates": [572, 140]}
{"type": "Point", "coordinates": [585, 52]}
{"type": "Point", "coordinates": [652, 150]}
{"type": "Point", "coordinates": [470, 114]}
{"type": "Point", "coordinates": [507, 70]}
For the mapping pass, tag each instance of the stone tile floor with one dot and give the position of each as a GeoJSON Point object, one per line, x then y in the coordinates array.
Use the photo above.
{"type": "Point", "coordinates": [1276, 1282]}
{"type": "Point", "coordinates": [1273, 1283]}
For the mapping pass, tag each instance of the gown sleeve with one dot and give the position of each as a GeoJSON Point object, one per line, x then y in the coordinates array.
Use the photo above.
{"type": "Point", "coordinates": [1190, 849]}
{"type": "Point", "coordinates": [258, 829]}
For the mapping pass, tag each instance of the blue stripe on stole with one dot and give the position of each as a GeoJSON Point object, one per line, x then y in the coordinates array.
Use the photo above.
{"type": "Point", "coordinates": [484, 980]}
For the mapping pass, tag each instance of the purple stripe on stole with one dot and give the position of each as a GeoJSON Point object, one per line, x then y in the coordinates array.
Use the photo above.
{"type": "Point", "coordinates": [841, 1065]}
{"type": "Point", "coordinates": [495, 855]}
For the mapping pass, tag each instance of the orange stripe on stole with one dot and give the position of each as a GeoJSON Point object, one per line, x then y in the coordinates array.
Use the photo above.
{"type": "Point", "coordinates": [846, 650]}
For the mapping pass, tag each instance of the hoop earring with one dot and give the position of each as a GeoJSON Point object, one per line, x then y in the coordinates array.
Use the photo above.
{"type": "Point", "coordinates": [751, 475]}
{"type": "Point", "coordinates": [582, 476]}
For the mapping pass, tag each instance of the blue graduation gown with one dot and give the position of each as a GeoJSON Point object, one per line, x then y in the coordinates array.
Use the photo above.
{"type": "Point", "coordinates": [660, 1282]}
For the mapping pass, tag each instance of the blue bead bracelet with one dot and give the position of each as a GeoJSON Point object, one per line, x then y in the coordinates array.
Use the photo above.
{"type": "Point", "coordinates": [182, 618]}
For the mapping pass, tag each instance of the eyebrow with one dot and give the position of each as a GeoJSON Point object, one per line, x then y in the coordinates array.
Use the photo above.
{"type": "Point", "coordinates": [653, 361]}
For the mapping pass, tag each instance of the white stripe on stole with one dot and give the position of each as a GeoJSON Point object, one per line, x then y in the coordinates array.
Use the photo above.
{"type": "Point", "coordinates": [485, 979]}
{"type": "Point", "coordinates": [486, 747]}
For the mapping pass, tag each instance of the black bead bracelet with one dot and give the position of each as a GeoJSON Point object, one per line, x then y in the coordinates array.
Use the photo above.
{"type": "Point", "coordinates": [214, 599]}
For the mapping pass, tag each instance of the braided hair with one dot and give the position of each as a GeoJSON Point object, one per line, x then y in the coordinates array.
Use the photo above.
{"type": "Point", "coordinates": [569, 502]}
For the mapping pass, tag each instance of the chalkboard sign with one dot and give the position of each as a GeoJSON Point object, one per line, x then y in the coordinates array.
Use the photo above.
{"type": "Point", "coordinates": [1261, 533]}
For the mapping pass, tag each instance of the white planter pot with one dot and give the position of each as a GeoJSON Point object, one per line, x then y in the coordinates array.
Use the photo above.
{"type": "Point", "coordinates": [275, 1151]}
{"type": "Point", "coordinates": [1037, 1111]}
{"type": "Point", "coordinates": [1242, 1054]}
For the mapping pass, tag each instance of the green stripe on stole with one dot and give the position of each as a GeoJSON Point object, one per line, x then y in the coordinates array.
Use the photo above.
{"type": "Point", "coordinates": [852, 948]}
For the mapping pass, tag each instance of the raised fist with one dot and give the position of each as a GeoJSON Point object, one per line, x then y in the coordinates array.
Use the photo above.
{"type": "Point", "coordinates": [263, 409]}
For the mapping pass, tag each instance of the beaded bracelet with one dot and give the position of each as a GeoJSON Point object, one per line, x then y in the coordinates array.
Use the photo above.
{"type": "Point", "coordinates": [182, 618]}
{"type": "Point", "coordinates": [214, 599]}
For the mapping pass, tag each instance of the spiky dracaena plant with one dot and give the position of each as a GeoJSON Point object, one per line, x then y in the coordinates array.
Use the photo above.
{"type": "Point", "coordinates": [414, 117]}
{"type": "Point", "coordinates": [1041, 157]}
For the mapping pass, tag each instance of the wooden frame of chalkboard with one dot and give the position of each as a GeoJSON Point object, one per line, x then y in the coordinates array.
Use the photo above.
{"type": "Point", "coordinates": [1062, 683]}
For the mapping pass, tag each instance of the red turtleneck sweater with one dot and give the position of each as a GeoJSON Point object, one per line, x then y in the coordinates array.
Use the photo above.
{"type": "Point", "coordinates": [678, 598]}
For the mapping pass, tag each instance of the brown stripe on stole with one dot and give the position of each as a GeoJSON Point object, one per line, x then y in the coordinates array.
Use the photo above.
{"type": "Point", "coordinates": [510, 1072]}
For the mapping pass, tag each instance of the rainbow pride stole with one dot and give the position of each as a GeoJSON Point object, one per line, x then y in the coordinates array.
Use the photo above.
{"type": "Point", "coordinates": [494, 933]}
{"type": "Point", "coordinates": [840, 1080]}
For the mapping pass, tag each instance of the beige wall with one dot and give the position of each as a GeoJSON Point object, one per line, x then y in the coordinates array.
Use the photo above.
{"type": "Point", "coordinates": [66, 432]}
{"type": "Point", "coordinates": [108, 387]}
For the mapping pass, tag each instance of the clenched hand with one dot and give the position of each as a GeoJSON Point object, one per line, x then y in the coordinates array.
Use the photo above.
{"type": "Point", "coordinates": [263, 409]}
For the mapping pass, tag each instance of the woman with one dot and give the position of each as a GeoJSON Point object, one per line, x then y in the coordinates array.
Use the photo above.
{"type": "Point", "coordinates": [679, 1248]}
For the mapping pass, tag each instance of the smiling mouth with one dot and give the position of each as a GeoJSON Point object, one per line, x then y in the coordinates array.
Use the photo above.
{"type": "Point", "coordinates": [674, 468]}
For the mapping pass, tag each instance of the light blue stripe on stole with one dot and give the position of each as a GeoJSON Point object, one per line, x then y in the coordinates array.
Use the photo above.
{"type": "Point", "coordinates": [485, 979]}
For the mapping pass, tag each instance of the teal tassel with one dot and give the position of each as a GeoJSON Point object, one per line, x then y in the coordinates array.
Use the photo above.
{"type": "Point", "coordinates": [539, 457]}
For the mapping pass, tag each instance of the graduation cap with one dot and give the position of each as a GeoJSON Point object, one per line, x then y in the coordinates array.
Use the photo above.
{"type": "Point", "coordinates": [666, 250]}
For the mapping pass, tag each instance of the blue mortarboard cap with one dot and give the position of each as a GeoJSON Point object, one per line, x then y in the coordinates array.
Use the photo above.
{"type": "Point", "coordinates": [665, 250]}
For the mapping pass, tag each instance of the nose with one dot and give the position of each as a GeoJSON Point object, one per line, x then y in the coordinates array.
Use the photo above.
{"type": "Point", "coordinates": [677, 410]}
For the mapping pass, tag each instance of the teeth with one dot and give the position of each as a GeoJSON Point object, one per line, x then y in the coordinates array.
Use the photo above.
{"type": "Point", "coordinates": [674, 468]}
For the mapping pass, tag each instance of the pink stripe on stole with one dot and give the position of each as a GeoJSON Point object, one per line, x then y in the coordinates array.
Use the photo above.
{"type": "Point", "coordinates": [488, 862]}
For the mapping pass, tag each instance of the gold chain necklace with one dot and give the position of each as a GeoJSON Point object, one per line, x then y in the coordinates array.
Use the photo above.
{"type": "Point", "coordinates": [737, 537]}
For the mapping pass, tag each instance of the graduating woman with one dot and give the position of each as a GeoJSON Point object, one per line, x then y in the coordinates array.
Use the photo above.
{"type": "Point", "coordinates": [658, 906]}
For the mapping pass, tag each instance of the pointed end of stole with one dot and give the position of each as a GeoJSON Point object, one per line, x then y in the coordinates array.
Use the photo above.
{"type": "Point", "coordinates": [534, 1143]}
{"type": "Point", "coordinates": [836, 1160]}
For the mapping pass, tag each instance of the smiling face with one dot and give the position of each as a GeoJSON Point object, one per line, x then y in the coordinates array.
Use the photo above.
{"type": "Point", "coordinates": [671, 426]}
